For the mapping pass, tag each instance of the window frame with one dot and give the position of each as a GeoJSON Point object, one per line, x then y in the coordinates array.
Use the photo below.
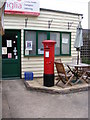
{"type": "Point", "coordinates": [38, 31]}
{"type": "Point", "coordinates": [59, 39]}
{"type": "Point", "coordinates": [48, 38]}
{"type": "Point", "coordinates": [69, 44]}
{"type": "Point", "coordinates": [25, 44]}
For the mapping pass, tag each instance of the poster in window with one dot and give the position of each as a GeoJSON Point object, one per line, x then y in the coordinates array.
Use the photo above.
{"type": "Point", "coordinates": [9, 43]}
{"type": "Point", "coordinates": [9, 55]}
{"type": "Point", "coordinates": [28, 45]}
{"type": "Point", "coordinates": [4, 50]}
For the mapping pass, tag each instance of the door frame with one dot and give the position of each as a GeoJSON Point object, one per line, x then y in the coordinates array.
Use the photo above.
{"type": "Point", "coordinates": [19, 35]}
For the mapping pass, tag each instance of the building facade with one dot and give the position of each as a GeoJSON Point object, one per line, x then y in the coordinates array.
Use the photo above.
{"type": "Point", "coordinates": [22, 48]}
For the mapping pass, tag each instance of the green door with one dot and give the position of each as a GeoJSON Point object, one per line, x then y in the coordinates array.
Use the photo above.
{"type": "Point", "coordinates": [11, 50]}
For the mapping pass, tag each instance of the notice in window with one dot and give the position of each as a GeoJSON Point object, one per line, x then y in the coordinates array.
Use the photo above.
{"type": "Point", "coordinates": [40, 51]}
{"type": "Point", "coordinates": [9, 55]}
{"type": "Point", "coordinates": [9, 43]}
{"type": "Point", "coordinates": [28, 45]}
{"type": "Point", "coordinates": [4, 50]}
{"type": "Point", "coordinates": [65, 41]}
{"type": "Point", "coordinates": [16, 57]}
{"type": "Point", "coordinates": [26, 52]}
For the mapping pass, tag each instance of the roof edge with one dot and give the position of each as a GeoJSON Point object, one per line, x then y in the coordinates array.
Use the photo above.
{"type": "Point", "coordinates": [61, 11]}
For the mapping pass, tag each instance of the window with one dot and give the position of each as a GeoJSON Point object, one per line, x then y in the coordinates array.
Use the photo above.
{"type": "Point", "coordinates": [34, 47]}
{"type": "Point", "coordinates": [41, 36]}
{"type": "Point", "coordinates": [30, 43]}
{"type": "Point", "coordinates": [56, 36]}
{"type": "Point", "coordinates": [65, 44]}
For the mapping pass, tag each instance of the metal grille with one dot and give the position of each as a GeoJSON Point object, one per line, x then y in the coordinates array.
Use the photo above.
{"type": "Point", "coordinates": [85, 49]}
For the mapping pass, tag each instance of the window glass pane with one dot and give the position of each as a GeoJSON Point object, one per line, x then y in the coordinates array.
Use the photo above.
{"type": "Point", "coordinates": [41, 36]}
{"type": "Point", "coordinates": [56, 36]}
{"type": "Point", "coordinates": [65, 43]}
{"type": "Point", "coordinates": [30, 43]}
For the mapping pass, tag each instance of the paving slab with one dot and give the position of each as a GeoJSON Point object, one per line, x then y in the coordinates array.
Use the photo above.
{"type": "Point", "coordinates": [37, 85]}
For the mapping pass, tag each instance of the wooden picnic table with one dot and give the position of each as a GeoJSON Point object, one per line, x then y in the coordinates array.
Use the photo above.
{"type": "Point", "coordinates": [79, 70]}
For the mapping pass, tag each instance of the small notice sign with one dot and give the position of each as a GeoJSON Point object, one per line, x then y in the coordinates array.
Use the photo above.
{"type": "Point", "coordinates": [4, 50]}
{"type": "Point", "coordinates": [9, 43]}
{"type": "Point", "coordinates": [64, 40]}
{"type": "Point", "coordinates": [9, 55]}
{"type": "Point", "coordinates": [47, 54]}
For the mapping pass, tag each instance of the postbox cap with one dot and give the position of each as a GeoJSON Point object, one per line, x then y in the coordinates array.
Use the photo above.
{"type": "Point", "coordinates": [49, 41]}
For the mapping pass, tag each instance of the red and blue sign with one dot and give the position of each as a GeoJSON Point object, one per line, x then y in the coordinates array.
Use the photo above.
{"type": "Point", "coordinates": [25, 7]}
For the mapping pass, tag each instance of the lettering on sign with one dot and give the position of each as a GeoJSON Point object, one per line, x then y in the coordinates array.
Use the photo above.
{"type": "Point", "coordinates": [30, 7]}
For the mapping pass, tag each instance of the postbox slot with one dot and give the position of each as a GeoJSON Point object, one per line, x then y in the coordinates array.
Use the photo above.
{"type": "Point", "coordinates": [47, 48]}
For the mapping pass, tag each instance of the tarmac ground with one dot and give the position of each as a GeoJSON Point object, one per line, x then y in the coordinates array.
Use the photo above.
{"type": "Point", "coordinates": [20, 102]}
